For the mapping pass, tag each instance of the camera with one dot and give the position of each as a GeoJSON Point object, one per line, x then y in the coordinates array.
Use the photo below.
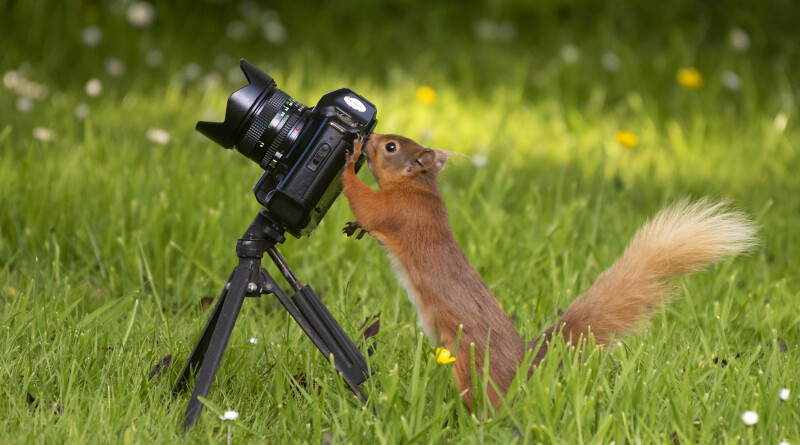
{"type": "Point", "coordinates": [301, 149]}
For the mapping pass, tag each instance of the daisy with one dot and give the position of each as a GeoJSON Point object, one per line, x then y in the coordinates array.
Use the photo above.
{"type": "Point", "coordinates": [750, 418]}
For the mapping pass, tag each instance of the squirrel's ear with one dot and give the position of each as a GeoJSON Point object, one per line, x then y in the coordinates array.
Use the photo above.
{"type": "Point", "coordinates": [439, 161]}
{"type": "Point", "coordinates": [428, 160]}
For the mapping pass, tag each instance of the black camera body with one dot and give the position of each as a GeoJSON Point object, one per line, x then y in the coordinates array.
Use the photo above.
{"type": "Point", "coordinates": [302, 150]}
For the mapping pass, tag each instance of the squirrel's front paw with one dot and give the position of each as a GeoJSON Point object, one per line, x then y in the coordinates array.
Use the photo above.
{"type": "Point", "coordinates": [351, 228]}
{"type": "Point", "coordinates": [358, 143]}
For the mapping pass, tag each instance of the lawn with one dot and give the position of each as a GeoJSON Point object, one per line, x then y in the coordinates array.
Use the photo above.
{"type": "Point", "coordinates": [118, 222]}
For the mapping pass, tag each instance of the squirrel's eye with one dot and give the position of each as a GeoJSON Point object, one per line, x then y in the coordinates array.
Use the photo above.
{"type": "Point", "coordinates": [391, 147]}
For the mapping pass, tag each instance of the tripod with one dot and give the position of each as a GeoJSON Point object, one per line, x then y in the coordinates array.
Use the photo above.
{"type": "Point", "coordinates": [249, 279]}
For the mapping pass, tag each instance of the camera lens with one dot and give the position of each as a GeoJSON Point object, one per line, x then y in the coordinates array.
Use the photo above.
{"type": "Point", "coordinates": [273, 129]}
{"type": "Point", "coordinates": [261, 120]}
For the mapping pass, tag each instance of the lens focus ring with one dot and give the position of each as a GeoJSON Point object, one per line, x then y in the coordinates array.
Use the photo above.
{"type": "Point", "coordinates": [250, 139]}
{"type": "Point", "coordinates": [276, 143]}
{"type": "Point", "coordinates": [261, 123]}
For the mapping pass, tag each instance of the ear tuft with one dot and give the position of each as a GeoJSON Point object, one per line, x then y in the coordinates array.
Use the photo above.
{"type": "Point", "coordinates": [440, 160]}
{"type": "Point", "coordinates": [428, 160]}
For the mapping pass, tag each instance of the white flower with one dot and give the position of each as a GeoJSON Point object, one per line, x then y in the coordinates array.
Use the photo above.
{"type": "Point", "coordinates": [92, 35]}
{"type": "Point", "coordinates": [272, 29]}
{"type": "Point", "coordinates": [94, 87]}
{"type": "Point", "coordinates": [731, 81]}
{"type": "Point", "coordinates": [229, 415]}
{"type": "Point", "coordinates": [488, 30]}
{"type": "Point", "coordinates": [154, 58]}
{"type": "Point", "coordinates": [274, 32]}
{"type": "Point", "coordinates": [780, 121]}
{"type": "Point", "coordinates": [253, 340]}
{"type": "Point", "coordinates": [570, 54]}
{"type": "Point", "coordinates": [158, 135]}
{"type": "Point", "coordinates": [212, 80]}
{"type": "Point", "coordinates": [783, 442]}
{"type": "Point", "coordinates": [141, 14]}
{"type": "Point", "coordinates": [610, 61]}
{"type": "Point", "coordinates": [784, 394]}
{"type": "Point", "coordinates": [114, 67]}
{"type": "Point", "coordinates": [82, 111]}
{"type": "Point", "coordinates": [426, 134]}
{"type": "Point", "coordinates": [234, 74]}
{"type": "Point", "coordinates": [11, 79]}
{"type": "Point", "coordinates": [480, 161]}
{"type": "Point", "coordinates": [192, 71]}
{"type": "Point", "coordinates": [505, 31]}
{"type": "Point", "coordinates": [27, 88]}
{"type": "Point", "coordinates": [740, 41]}
{"type": "Point", "coordinates": [24, 104]}
{"type": "Point", "coordinates": [236, 30]}
{"type": "Point", "coordinates": [750, 418]}
{"type": "Point", "coordinates": [43, 133]}
{"type": "Point", "coordinates": [484, 29]}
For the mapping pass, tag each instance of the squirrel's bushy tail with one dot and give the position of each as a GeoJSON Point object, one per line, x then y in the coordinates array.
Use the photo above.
{"type": "Point", "coordinates": [681, 239]}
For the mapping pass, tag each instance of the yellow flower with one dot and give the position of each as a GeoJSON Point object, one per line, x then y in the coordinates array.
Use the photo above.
{"type": "Point", "coordinates": [690, 78]}
{"type": "Point", "coordinates": [12, 290]}
{"type": "Point", "coordinates": [426, 95]}
{"type": "Point", "coordinates": [443, 356]}
{"type": "Point", "coordinates": [627, 139]}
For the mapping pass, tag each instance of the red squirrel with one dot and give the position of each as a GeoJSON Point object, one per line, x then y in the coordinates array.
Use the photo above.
{"type": "Point", "coordinates": [407, 216]}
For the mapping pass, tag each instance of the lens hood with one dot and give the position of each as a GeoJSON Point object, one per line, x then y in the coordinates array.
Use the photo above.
{"type": "Point", "coordinates": [241, 107]}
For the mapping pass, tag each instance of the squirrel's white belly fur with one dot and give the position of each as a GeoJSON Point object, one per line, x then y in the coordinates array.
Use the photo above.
{"type": "Point", "coordinates": [402, 277]}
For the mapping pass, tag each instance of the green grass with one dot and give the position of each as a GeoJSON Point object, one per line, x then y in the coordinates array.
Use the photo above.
{"type": "Point", "coordinates": [109, 242]}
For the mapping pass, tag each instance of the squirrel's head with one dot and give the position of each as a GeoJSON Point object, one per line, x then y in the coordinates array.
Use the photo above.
{"type": "Point", "coordinates": [394, 158]}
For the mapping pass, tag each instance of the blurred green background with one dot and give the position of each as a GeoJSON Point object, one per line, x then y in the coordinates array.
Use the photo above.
{"type": "Point", "coordinates": [578, 121]}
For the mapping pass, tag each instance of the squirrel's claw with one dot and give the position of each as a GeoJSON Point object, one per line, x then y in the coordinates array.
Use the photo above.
{"type": "Point", "coordinates": [357, 145]}
{"type": "Point", "coordinates": [351, 228]}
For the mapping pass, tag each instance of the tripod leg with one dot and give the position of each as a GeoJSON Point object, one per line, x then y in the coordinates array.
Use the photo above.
{"type": "Point", "coordinates": [199, 351]}
{"type": "Point", "coordinates": [230, 304]}
{"type": "Point", "coordinates": [304, 306]}
{"type": "Point", "coordinates": [319, 325]}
